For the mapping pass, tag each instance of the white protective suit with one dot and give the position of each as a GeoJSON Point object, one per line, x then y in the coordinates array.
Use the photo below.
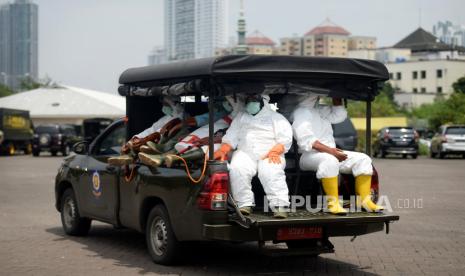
{"type": "Point", "coordinates": [254, 137]}
{"type": "Point", "coordinates": [312, 122]}
{"type": "Point", "coordinates": [189, 141]}
{"type": "Point", "coordinates": [178, 112]}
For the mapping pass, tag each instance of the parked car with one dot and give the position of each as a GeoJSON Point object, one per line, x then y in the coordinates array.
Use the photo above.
{"type": "Point", "coordinates": [15, 131]}
{"type": "Point", "coordinates": [345, 135]}
{"type": "Point", "coordinates": [54, 138]}
{"type": "Point", "coordinates": [93, 127]}
{"type": "Point", "coordinates": [396, 140]}
{"type": "Point", "coordinates": [170, 207]}
{"type": "Point", "coordinates": [448, 140]}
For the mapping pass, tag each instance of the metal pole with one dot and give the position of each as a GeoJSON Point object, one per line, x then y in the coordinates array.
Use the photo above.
{"type": "Point", "coordinates": [368, 129]}
{"type": "Point", "coordinates": [211, 121]}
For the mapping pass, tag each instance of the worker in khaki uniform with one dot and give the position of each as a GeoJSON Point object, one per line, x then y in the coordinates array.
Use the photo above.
{"type": "Point", "coordinates": [314, 134]}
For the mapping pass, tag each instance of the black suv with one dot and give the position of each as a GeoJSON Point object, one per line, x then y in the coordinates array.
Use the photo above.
{"type": "Point", "coordinates": [345, 135]}
{"type": "Point", "coordinates": [54, 138]}
{"type": "Point", "coordinates": [396, 140]}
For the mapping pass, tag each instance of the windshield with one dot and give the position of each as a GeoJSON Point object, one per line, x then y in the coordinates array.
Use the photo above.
{"type": "Point", "coordinates": [400, 131]}
{"type": "Point", "coordinates": [455, 130]}
{"type": "Point", "coordinates": [46, 129]}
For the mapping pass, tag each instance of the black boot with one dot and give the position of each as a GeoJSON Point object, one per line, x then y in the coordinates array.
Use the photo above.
{"type": "Point", "coordinates": [190, 156]}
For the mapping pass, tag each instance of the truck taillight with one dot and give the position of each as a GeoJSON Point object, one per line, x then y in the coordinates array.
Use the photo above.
{"type": "Point", "coordinates": [374, 186]}
{"type": "Point", "coordinates": [214, 193]}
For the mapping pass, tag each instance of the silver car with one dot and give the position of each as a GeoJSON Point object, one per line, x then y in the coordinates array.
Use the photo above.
{"type": "Point", "coordinates": [449, 140]}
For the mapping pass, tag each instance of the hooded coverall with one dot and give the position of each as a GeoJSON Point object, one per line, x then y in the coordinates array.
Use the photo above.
{"type": "Point", "coordinates": [253, 137]}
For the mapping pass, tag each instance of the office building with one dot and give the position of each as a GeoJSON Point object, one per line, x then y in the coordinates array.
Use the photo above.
{"type": "Point", "coordinates": [18, 42]}
{"type": "Point", "coordinates": [194, 28]}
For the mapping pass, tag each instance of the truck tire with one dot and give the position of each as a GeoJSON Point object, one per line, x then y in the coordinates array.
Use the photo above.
{"type": "Point", "coordinates": [10, 149]}
{"type": "Point", "coordinates": [383, 154]}
{"type": "Point", "coordinates": [414, 156]}
{"type": "Point", "coordinates": [161, 241]}
{"type": "Point", "coordinates": [53, 152]}
{"type": "Point", "coordinates": [28, 149]}
{"type": "Point", "coordinates": [65, 150]}
{"type": "Point", "coordinates": [73, 223]}
{"type": "Point", "coordinates": [35, 153]}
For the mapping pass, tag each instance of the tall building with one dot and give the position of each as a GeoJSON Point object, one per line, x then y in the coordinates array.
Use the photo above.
{"type": "Point", "coordinates": [449, 33]}
{"type": "Point", "coordinates": [195, 28]}
{"type": "Point", "coordinates": [326, 39]}
{"type": "Point", "coordinates": [157, 56]}
{"type": "Point", "coordinates": [18, 42]}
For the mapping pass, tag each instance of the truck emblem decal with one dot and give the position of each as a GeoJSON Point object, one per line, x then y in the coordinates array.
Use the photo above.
{"type": "Point", "coordinates": [96, 187]}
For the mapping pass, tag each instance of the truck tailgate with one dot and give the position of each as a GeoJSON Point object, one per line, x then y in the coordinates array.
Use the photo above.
{"type": "Point", "coordinates": [306, 217]}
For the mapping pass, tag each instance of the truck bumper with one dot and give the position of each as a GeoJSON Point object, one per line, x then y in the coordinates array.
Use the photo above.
{"type": "Point", "coordinates": [267, 230]}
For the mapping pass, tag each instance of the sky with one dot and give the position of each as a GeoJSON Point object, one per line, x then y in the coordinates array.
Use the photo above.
{"type": "Point", "coordinates": [89, 43]}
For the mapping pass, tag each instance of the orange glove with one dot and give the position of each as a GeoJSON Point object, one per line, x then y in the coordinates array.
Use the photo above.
{"type": "Point", "coordinates": [222, 153]}
{"type": "Point", "coordinates": [274, 155]}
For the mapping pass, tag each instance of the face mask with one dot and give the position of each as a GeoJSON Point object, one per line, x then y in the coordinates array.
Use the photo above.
{"type": "Point", "coordinates": [227, 106]}
{"type": "Point", "coordinates": [167, 110]}
{"type": "Point", "coordinates": [253, 108]}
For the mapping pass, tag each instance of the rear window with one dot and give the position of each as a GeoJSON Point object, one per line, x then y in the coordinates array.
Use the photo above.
{"type": "Point", "coordinates": [400, 131]}
{"type": "Point", "coordinates": [46, 129]}
{"type": "Point", "coordinates": [455, 130]}
{"type": "Point", "coordinates": [343, 129]}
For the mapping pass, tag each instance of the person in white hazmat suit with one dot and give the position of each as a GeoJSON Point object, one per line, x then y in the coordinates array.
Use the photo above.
{"type": "Point", "coordinates": [260, 136]}
{"type": "Point", "coordinates": [194, 146]}
{"type": "Point", "coordinates": [314, 134]}
{"type": "Point", "coordinates": [172, 109]}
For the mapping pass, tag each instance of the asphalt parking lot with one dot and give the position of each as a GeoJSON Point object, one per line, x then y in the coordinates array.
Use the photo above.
{"type": "Point", "coordinates": [429, 238]}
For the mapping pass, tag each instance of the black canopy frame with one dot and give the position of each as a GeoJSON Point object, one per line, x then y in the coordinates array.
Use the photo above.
{"type": "Point", "coordinates": [355, 79]}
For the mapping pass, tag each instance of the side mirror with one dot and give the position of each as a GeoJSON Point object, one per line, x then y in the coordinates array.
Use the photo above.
{"type": "Point", "coordinates": [80, 147]}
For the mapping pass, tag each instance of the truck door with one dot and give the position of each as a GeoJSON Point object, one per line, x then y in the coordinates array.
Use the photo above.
{"type": "Point", "coordinates": [101, 190]}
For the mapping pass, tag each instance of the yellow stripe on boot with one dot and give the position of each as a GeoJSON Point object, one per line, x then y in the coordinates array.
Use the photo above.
{"type": "Point", "coordinates": [330, 186]}
{"type": "Point", "coordinates": [363, 191]}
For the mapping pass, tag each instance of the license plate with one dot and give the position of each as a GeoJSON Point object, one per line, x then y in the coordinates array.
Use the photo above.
{"type": "Point", "coordinates": [299, 233]}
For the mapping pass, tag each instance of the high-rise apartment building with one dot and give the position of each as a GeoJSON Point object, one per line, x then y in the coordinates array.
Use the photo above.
{"type": "Point", "coordinates": [195, 28]}
{"type": "Point", "coordinates": [18, 42]}
{"type": "Point", "coordinates": [450, 33]}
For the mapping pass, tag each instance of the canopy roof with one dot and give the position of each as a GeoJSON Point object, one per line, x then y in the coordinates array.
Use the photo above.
{"type": "Point", "coordinates": [421, 41]}
{"type": "Point", "coordinates": [321, 73]}
{"type": "Point", "coordinates": [67, 102]}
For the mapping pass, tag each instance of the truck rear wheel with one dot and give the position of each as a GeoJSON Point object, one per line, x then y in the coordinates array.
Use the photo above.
{"type": "Point", "coordinates": [10, 149]}
{"type": "Point", "coordinates": [161, 241]}
{"type": "Point", "coordinates": [53, 152]}
{"type": "Point", "coordinates": [72, 222]}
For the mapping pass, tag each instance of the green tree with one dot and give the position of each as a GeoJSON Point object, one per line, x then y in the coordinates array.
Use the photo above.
{"type": "Point", "coordinates": [5, 91]}
{"type": "Point", "coordinates": [382, 106]}
{"type": "Point", "coordinates": [29, 83]}
{"type": "Point", "coordinates": [459, 85]}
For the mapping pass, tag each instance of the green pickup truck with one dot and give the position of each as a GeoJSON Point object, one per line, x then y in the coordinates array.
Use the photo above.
{"type": "Point", "coordinates": [167, 206]}
{"type": "Point", "coordinates": [15, 131]}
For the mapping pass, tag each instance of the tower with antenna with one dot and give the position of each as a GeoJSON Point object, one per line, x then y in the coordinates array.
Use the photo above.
{"type": "Point", "coordinates": [241, 48]}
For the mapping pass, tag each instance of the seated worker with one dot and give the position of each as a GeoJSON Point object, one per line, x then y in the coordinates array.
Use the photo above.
{"type": "Point", "coordinates": [194, 146]}
{"type": "Point", "coordinates": [167, 129]}
{"type": "Point", "coordinates": [314, 134]}
{"type": "Point", "coordinates": [173, 111]}
{"type": "Point", "coordinates": [260, 136]}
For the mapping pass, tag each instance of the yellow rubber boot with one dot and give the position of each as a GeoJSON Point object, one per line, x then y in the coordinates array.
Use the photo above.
{"type": "Point", "coordinates": [330, 186]}
{"type": "Point", "coordinates": [362, 189]}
